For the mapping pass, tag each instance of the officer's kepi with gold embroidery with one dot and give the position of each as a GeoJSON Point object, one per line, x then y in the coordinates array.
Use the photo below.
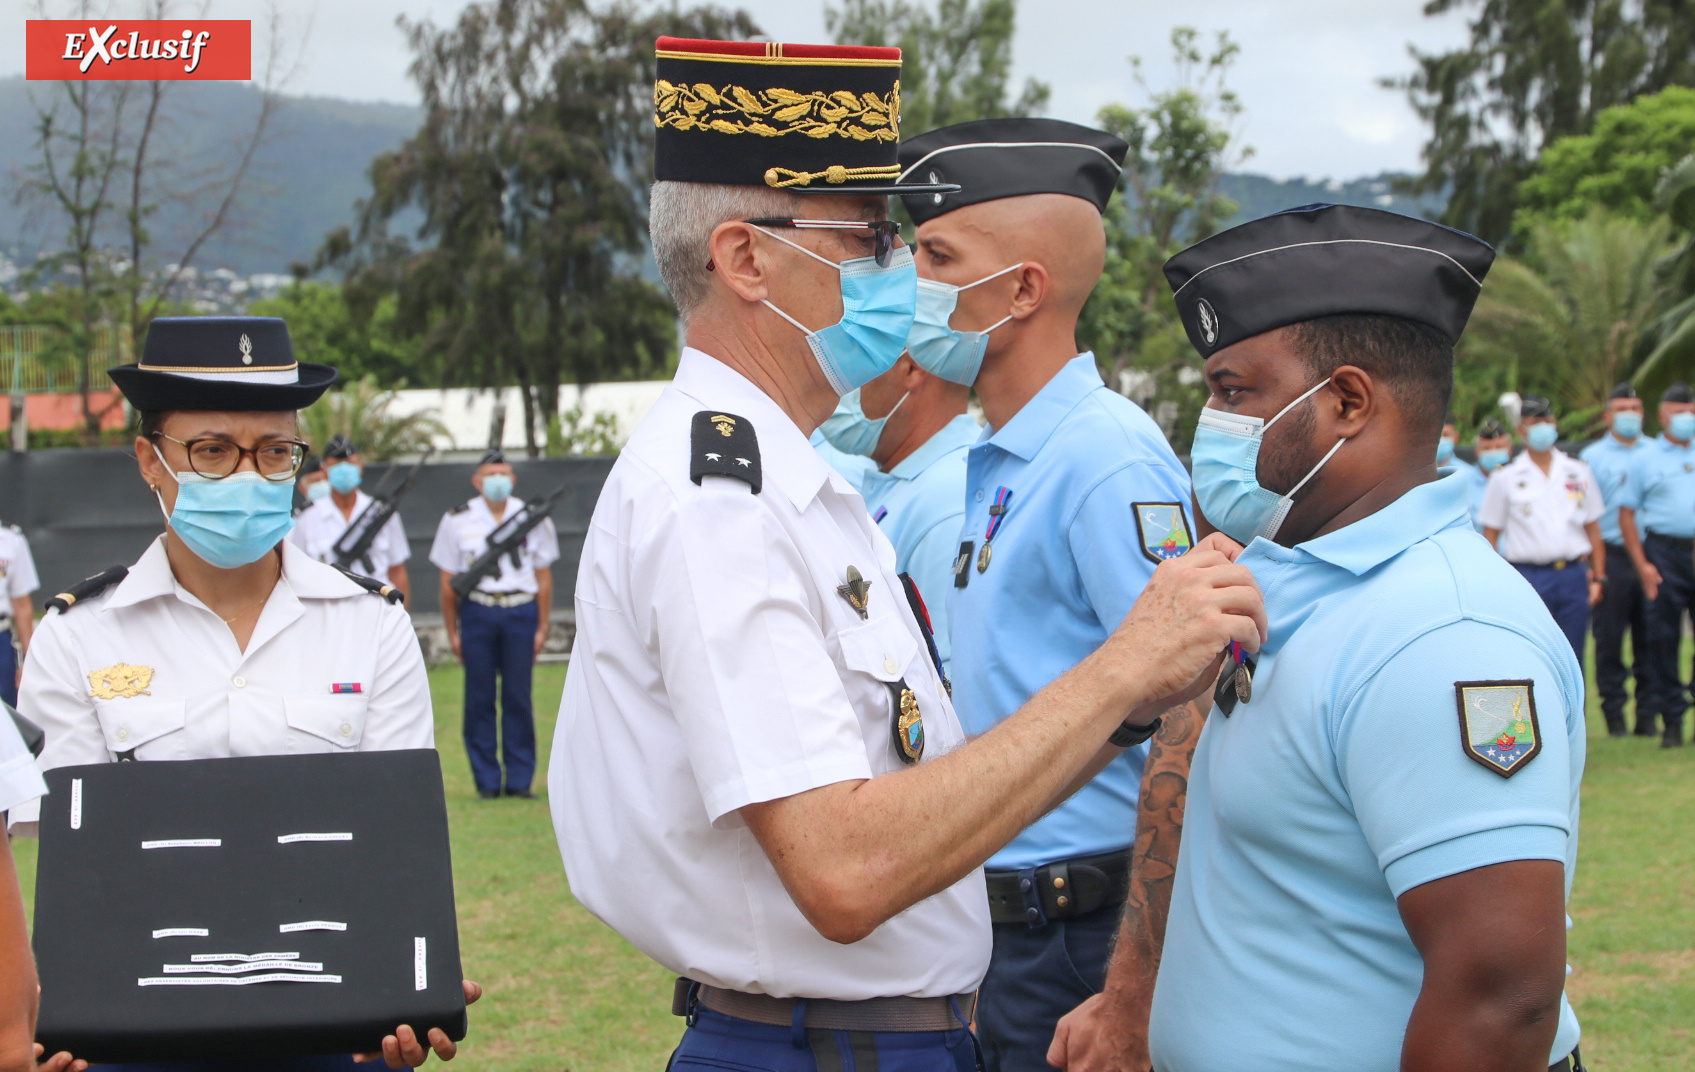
{"type": "Point", "coordinates": [807, 118]}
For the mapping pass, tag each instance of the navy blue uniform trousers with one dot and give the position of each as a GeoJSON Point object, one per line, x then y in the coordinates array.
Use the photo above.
{"type": "Point", "coordinates": [1566, 593]}
{"type": "Point", "coordinates": [8, 669]}
{"type": "Point", "coordinates": [499, 640]}
{"type": "Point", "coordinates": [1036, 976]}
{"type": "Point", "coordinates": [718, 1043]}
{"type": "Point", "coordinates": [1670, 696]}
{"type": "Point", "coordinates": [1621, 610]}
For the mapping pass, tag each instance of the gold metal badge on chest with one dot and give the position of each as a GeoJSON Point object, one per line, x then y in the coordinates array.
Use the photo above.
{"type": "Point", "coordinates": [120, 682]}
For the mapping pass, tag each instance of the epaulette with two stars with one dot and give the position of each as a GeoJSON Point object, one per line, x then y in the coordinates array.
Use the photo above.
{"type": "Point", "coordinates": [722, 444]}
{"type": "Point", "coordinates": [375, 587]}
{"type": "Point", "coordinates": [83, 589]}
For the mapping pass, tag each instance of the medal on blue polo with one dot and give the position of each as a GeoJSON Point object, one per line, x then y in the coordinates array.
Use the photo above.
{"type": "Point", "coordinates": [997, 514]}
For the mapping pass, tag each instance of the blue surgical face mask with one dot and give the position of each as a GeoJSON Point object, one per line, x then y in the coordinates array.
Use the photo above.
{"type": "Point", "coordinates": [497, 487]}
{"type": "Point", "coordinates": [318, 491]}
{"type": "Point", "coordinates": [877, 310]}
{"type": "Point", "coordinates": [1226, 477]}
{"type": "Point", "coordinates": [1627, 424]}
{"type": "Point", "coordinates": [850, 431]}
{"type": "Point", "coordinates": [1541, 436]}
{"type": "Point", "coordinates": [1444, 450]}
{"type": "Point", "coordinates": [344, 476]}
{"type": "Point", "coordinates": [940, 350]}
{"type": "Point", "coordinates": [234, 521]}
{"type": "Point", "coordinates": [1490, 460]}
{"type": "Point", "coordinates": [1682, 426]}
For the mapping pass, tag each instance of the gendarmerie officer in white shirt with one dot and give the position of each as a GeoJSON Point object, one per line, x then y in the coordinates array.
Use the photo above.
{"type": "Point", "coordinates": [758, 777]}
{"type": "Point", "coordinates": [327, 519]}
{"type": "Point", "coordinates": [20, 782]}
{"type": "Point", "coordinates": [500, 628]}
{"type": "Point", "coordinates": [225, 639]}
{"type": "Point", "coordinates": [1544, 507]}
{"type": "Point", "coordinates": [17, 613]}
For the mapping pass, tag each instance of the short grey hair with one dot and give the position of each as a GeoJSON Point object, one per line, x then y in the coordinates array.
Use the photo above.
{"type": "Point", "coordinates": [680, 222]}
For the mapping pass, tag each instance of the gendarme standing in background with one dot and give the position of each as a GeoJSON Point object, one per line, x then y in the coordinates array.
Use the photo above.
{"type": "Point", "coordinates": [758, 777]}
{"type": "Point", "coordinates": [1073, 498]}
{"type": "Point", "coordinates": [499, 628]}
{"type": "Point", "coordinates": [17, 613]}
{"type": "Point", "coordinates": [1622, 608]}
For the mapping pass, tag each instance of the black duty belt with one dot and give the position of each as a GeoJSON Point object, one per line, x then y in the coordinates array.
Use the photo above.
{"type": "Point", "coordinates": [872, 1014]}
{"type": "Point", "coordinates": [1037, 896]}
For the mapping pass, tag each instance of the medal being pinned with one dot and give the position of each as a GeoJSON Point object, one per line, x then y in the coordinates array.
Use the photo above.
{"type": "Point", "coordinates": [997, 514]}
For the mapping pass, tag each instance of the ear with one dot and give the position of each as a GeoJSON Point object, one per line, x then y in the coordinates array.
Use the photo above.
{"type": "Point", "coordinates": [1033, 284]}
{"type": "Point", "coordinates": [912, 377]}
{"type": "Point", "coordinates": [148, 461]}
{"type": "Point", "coordinates": [1356, 397]}
{"type": "Point", "coordinates": [737, 262]}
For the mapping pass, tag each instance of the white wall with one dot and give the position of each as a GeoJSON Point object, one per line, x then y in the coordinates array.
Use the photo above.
{"type": "Point", "coordinates": [467, 412]}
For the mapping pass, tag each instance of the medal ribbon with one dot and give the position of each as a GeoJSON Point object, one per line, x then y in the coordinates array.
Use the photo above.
{"type": "Point", "coordinates": [997, 513]}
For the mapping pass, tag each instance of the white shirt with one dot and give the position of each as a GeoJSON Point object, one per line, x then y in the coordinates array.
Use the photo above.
{"type": "Point", "coordinates": [716, 666]}
{"type": "Point", "coordinates": [20, 781]}
{"type": "Point", "coordinates": [1541, 517]}
{"type": "Point", "coordinates": [320, 525]}
{"type": "Point", "coordinates": [17, 566]}
{"type": "Point", "coordinates": [145, 667]}
{"type": "Point", "coordinates": [463, 535]}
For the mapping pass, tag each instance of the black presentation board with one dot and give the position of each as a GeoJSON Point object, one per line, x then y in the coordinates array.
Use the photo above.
{"type": "Point", "coordinates": [324, 879]}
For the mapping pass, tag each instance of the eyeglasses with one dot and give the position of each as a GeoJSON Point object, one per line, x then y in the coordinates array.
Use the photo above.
{"type": "Point", "coordinates": [215, 458]}
{"type": "Point", "coordinates": [886, 232]}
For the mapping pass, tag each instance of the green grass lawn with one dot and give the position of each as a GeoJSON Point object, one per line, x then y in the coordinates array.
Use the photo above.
{"type": "Point", "coordinates": [565, 994]}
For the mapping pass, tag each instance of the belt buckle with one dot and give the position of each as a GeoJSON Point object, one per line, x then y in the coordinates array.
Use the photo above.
{"type": "Point", "coordinates": [1559, 563]}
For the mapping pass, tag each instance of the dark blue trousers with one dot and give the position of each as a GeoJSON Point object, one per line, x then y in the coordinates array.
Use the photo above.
{"type": "Point", "coordinates": [718, 1043]}
{"type": "Point", "coordinates": [1036, 976]}
{"type": "Point", "coordinates": [1621, 610]}
{"type": "Point", "coordinates": [1673, 558]}
{"type": "Point", "coordinates": [1566, 593]}
{"type": "Point", "coordinates": [8, 669]}
{"type": "Point", "coordinates": [499, 640]}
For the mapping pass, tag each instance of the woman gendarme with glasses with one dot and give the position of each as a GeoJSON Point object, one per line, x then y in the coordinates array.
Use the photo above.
{"type": "Point", "coordinates": [223, 638]}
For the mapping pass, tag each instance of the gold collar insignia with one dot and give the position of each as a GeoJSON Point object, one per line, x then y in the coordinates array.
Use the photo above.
{"type": "Point", "coordinates": [120, 682]}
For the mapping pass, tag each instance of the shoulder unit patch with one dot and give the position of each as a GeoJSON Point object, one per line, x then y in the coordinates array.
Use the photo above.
{"type": "Point", "coordinates": [1162, 530]}
{"type": "Point", "coordinates": [1498, 726]}
{"type": "Point", "coordinates": [722, 444]}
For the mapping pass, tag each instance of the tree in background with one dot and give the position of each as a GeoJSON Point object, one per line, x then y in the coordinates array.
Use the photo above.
{"type": "Point", "coordinates": [1565, 319]}
{"type": "Point", "coordinates": [1534, 71]}
{"type": "Point", "coordinates": [1667, 347]}
{"type": "Point", "coordinates": [359, 410]}
{"type": "Point", "coordinates": [956, 60]}
{"type": "Point", "coordinates": [324, 330]}
{"type": "Point", "coordinates": [529, 171]}
{"type": "Point", "coordinates": [1181, 144]}
{"type": "Point", "coordinates": [1621, 164]}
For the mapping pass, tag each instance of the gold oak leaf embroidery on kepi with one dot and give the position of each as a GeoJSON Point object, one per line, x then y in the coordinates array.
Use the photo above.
{"type": "Point", "coordinates": [773, 113]}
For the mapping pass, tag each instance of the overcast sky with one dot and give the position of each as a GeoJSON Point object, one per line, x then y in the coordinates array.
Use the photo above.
{"type": "Point", "coordinates": [1307, 74]}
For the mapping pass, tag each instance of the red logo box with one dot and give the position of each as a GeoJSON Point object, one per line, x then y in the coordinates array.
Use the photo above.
{"type": "Point", "coordinates": [191, 49]}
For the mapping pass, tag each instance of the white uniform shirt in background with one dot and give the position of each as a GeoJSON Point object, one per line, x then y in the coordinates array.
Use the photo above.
{"type": "Point", "coordinates": [17, 566]}
{"type": "Point", "coordinates": [145, 667]}
{"type": "Point", "coordinates": [715, 667]}
{"type": "Point", "coordinates": [1541, 517]}
{"type": "Point", "coordinates": [320, 525]}
{"type": "Point", "coordinates": [463, 535]}
{"type": "Point", "coordinates": [20, 781]}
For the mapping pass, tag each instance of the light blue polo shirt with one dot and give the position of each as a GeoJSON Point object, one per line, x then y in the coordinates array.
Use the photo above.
{"type": "Point", "coordinates": [851, 466]}
{"type": "Point", "coordinates": [1661, 488]}
{"type": "Point", "coordinates": [1346, 781]}
{"type": "Point", "coordinates": [1095, 490]}
{"type": "Point", "coordinates": [1609, 459]}
{"type": "Point", "coordinates": [919, 504]}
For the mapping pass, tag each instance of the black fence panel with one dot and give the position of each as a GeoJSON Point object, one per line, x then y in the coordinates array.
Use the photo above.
{"type": "Point", "coordinates": [86, 510]}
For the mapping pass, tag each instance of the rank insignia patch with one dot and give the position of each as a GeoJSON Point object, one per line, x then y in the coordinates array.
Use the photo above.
{"type": "Point", "coordinates": [120, 682]}
{"type": "Point", "coordinates": [1498, 726]}
{"type": "Point", "coordinates": [1162, 530]}
{"type": "Point", "coordinates": [908, 725]}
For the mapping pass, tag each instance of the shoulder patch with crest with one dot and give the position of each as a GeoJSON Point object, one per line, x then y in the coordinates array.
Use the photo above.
{"type": "Point", "coordinates": [1498, 727]}
{"type": "Point", "coordinates": [1162, 530]}
{"type": "Point", "coordinates": [722, 444]}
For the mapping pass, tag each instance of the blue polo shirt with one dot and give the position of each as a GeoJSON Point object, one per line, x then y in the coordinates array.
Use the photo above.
{"type": "Point", "coordinates": [1609, 459]}
{"type": "Point", "coordinates": [851, 466]}
{"type": "Point", "coordinates": [1353, 775]}
{"type": "Point", "coordinates": [1095, 499]}
{"type": "Point", "coordinates": [1661, 488]}
{"type": "Point", "coordinates": [1476, 483]}
{"type": "Point", "coordinates": [919, 504]}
